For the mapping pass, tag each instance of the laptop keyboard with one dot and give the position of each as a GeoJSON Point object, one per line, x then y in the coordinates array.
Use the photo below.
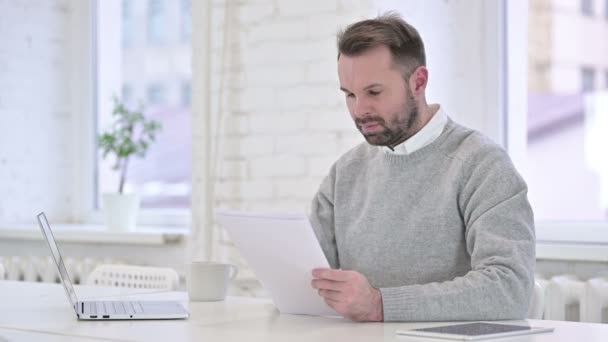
{"type": "Point", "coordinates": [111, 308]}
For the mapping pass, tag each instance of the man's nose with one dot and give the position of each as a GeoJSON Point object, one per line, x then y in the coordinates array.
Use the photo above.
{"type": "Point", "coordinates": [361, 108]}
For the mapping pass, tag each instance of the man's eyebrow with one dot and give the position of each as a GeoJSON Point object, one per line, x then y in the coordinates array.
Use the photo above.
{"type": "Point", "coordinates": [366, 88]}
{"type": "Point", "coordinates": [372, 85]}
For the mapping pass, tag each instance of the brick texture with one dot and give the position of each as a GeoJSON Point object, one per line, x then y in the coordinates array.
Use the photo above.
{"type": "Point", "coordinates": [36, 164]}
{"type": "Point", "coordinates": [285, 120]}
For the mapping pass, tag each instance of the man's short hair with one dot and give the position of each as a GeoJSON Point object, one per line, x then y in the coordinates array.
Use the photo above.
{"type": "Point", "coordinates": [390, 30]}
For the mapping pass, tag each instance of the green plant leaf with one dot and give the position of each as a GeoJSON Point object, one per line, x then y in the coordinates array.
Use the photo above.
{"type": "Point", "coordinates": [120, 139]}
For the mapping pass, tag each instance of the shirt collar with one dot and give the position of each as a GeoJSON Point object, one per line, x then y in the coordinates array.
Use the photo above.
{"type": "Point", "coordinates": [431, 131]}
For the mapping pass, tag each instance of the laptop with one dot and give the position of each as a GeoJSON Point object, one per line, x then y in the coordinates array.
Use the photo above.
{"type": "Point", "coordinates": [105, 310]}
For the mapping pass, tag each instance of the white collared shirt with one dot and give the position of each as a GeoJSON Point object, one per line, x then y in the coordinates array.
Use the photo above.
{"type": "Point", "coordinates": [431, 131]}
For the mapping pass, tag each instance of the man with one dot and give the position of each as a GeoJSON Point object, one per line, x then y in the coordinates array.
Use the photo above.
{"type": "Point", "coordinates": [428, 220]}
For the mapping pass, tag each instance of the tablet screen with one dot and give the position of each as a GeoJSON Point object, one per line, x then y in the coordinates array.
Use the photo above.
{"type": "Point", "coordinates": [475, 329]}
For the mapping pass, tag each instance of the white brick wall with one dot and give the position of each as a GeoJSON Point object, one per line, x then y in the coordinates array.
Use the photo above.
{"type": "Point", "coordinates": [280, 166]}
{"type": "Point", "coordinates": [285, 121]}
{"type": "Point", "coordinates": [299, 9]}
{"type": "Point", "coordinates": [35, 121]}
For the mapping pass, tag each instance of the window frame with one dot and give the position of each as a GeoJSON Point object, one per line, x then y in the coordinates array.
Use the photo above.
{"type": "Point", "coordinates": [84, 87]}
{"type": "Point", "coordinates": [565, 240]}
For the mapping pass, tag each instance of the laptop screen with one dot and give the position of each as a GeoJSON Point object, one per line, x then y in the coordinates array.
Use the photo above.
{"type": "Point", "coordinates": [63, 273]}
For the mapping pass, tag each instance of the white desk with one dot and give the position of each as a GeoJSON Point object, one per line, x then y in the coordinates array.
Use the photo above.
{"type": "Point", "coordinates": [31, 310]}
{"type": "Point", "coordinates": [12, 335]}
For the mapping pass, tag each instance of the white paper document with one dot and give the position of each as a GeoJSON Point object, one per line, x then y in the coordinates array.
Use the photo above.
{"type": "Point", "coordinates": [282, 250]}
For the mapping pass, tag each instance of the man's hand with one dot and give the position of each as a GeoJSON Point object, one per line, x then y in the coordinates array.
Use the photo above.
{"type": "Point", "coordinates": [349, 293]}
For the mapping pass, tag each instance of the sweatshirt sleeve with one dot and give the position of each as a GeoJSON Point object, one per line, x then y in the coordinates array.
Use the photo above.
{"type": "Point", "coordinates": [322, 219]}
{"type": "Point", "coordinates": [500, 239]}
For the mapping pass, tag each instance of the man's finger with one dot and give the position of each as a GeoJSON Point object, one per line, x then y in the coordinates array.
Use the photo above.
{"type": "Point", "coordinates": [326, 273]}
{"type": "Point", "coordinates": [331, 295]}
{"type": "Point", "coordinates": [334, 304]}
{"type": "Point", "coordinates": [326, 284]}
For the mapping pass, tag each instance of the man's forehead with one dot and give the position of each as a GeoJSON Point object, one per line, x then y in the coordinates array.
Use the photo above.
{"type": "Point", "coordinates": [353, 81]}
{"type": "Point", "coordinates": [376, 58]}
{"type": "Point", "coordinates": [364, 71]}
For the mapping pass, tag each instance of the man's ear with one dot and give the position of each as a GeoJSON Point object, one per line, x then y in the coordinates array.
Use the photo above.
{"type": "Point", "coordinates": [418, 80]}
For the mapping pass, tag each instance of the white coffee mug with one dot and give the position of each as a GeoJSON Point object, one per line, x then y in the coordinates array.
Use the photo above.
{"type": "Point", "coordinates": [209, 280]}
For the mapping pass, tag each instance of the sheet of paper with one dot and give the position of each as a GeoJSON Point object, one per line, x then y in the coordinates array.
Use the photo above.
{"type": "Point", "coordinates": [282, 250]}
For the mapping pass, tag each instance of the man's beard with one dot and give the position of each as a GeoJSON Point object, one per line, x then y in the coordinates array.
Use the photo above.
{"type": "Point", "coordinates": [396, 131]}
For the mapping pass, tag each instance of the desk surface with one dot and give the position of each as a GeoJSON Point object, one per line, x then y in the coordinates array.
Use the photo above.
{"type": "Point", "coordinates": [31, 310]}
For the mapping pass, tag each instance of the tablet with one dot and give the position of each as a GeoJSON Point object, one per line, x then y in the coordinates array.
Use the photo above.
{"type": "Point", "coordinates": [474, 331]}
{"type": "Point", "coordinates": [282, 250]}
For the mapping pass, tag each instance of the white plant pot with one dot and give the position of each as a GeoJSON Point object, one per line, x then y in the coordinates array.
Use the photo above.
{"type": "Point", "coordinates": [120, 211]}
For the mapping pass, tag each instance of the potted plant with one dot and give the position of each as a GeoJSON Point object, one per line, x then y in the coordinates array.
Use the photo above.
{"type": "Point", "coordinates": [130, 135]}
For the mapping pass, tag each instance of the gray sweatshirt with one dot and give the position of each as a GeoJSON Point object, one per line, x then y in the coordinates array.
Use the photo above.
{"type": "Point", "coordinates": [446, 232]}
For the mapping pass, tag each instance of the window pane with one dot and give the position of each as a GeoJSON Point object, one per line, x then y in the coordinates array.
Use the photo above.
{"type": "Point", "coordinates": [587, 7]}
{"type": "Point", "coordinates": [127, 93]}
{"type": "Point", "coordinates": [127, 22]}
{"type": "Point", "coordinates": [186, 14]}
{"type": "Point", "coordinates": [153, 76]}
{"type": "Point", "coordinates": [156, 94]}
{"type": "Point", "coordinates": [156, 20]}
{"type": "Point", "coordinates": [587, 79]}
{"type": "Point", "coordinates": [186, 93]}
{"type": "Point", "coordinates": [567, 163]}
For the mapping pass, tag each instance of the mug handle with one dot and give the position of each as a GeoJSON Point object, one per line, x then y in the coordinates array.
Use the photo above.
{"type": "Point", "coordinates": [233, 271]}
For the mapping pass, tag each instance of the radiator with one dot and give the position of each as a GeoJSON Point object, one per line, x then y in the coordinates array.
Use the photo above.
{"type": "Point", "coordinates": [43, 269]}
{"type": "Point", "coordinates": [567, 298]}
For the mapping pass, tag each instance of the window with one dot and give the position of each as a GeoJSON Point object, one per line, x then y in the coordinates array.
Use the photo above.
{"type": "Point", "coordinates": [566, 165]}
{"type": "Point", "coordinates": [587, 7]}
{"type": "Point", "coordinates": [186, 19]}
{"type": "Point", "coordinates": [127, 22]}
{"type": "Point", "coordinates": [127, 94]}
{"type": "Point", "coordinates": [157, 25]}
{"type": "Point", "coordinates": [145, 74]}
{"type": "Point", "coordinates": [587, 79]}
{"type": "Point", "coordinates": [186, 93]}
{"type": "Point", "coordinates": [156, 94]}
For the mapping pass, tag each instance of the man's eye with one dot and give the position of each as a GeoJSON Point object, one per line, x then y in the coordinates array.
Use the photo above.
{"type": "Point", "coordinates": [351, 95]}
{"type": "Point", "coordinates": [374, 93]}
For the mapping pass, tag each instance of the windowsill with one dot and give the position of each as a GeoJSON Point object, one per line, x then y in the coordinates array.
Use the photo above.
{"type": "Point", "coordinates": [97, 234]}
{"type": "Point", "coordinates": [150, 217]}
{"type": "Point", "coordinates": [568, 242]}
{"type": "Point", "coordinates": [572, 241]}
{"type": "Point", "coordinates": [571, 251]}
